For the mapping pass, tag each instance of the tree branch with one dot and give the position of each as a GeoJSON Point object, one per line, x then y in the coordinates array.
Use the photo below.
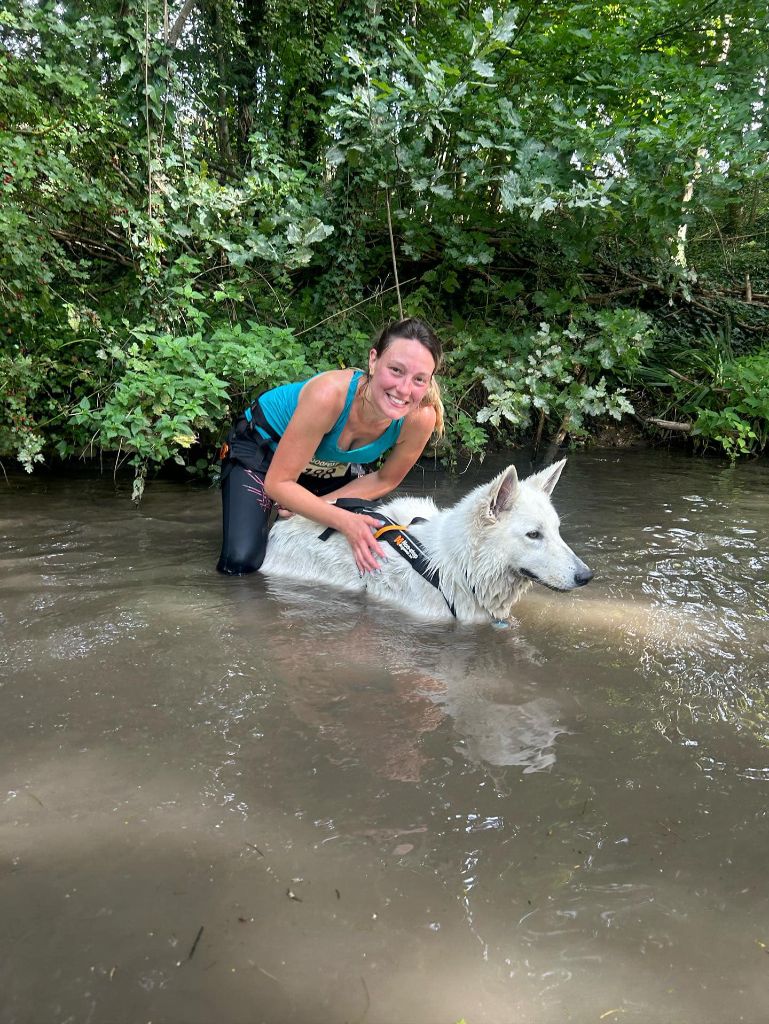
{"type": "Point", "coordinates": [97, 249]}
{"type": "Point", "coordinates": [178, 25]}
{"type": "Point", "coordinates": [670, 424]}
{"type": "Point", "coordinates": [706, 9]}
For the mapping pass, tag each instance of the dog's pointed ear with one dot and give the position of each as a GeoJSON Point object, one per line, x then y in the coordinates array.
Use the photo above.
{"type": "Point", "coordinates": [547, 478]}
{"type": "Point", "coordinates": [503, 492]}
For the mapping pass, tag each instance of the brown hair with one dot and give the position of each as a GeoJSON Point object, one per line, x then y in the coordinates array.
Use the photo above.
{"type": "Point", "coordinates": [413, 329]}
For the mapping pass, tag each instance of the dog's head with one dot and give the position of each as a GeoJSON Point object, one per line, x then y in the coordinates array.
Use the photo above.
{"type": "Point", "coordinates": [521, 530]}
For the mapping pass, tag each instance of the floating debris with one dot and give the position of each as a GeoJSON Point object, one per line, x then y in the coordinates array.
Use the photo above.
{"type": "Point", "coordinates": [403, 849]}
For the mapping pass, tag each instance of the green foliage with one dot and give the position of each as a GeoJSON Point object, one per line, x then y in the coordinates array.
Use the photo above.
{"type": "Point", "coordinates": [20, 382]}
{"type": "Point", "coordinates": [735, 413]}
{"type": "Point", "coordinates": [191, 210]}
{"type": "Point", "coordinates": [558, 375]}
{"type": "Point", "coordinates": [168, 390]}
{"type": "Point", "coordinates": [724, 396]}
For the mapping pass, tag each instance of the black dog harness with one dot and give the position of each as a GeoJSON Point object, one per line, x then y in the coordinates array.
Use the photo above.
{"type": "Point", "coordinates": [398, 537]}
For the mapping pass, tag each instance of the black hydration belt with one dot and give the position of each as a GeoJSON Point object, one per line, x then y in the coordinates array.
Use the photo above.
{"type": "Point", "coordinates": [397, 537]}
{"type": "Point", "coordinates": [245, 445]}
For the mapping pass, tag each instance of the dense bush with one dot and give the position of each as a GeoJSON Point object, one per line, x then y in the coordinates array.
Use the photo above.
{"type": "Point", "coordinates": [197, 206]}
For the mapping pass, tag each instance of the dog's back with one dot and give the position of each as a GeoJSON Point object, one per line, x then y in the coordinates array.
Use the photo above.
{"type": "Point", "coordinates": [486, 551]}
{"type": "Point", "coordinates": [295, 550]}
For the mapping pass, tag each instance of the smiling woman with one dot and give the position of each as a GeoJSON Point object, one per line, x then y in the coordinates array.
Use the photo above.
{"type": "Point", "coordinates": [304, 445]}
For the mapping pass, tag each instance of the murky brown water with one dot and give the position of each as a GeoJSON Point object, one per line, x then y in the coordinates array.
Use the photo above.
{"type": "Point", "coordinates": [227, 801]}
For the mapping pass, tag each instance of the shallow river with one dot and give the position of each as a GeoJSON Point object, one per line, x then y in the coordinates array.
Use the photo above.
{"type": "Point", "coordinates": [224, 801]}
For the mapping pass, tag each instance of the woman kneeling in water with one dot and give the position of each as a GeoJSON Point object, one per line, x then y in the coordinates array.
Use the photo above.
{"type": "Point", "coordinates": [301, 445]}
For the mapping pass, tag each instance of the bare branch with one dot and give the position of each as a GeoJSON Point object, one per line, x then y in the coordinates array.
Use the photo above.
{"type": "Point", "coordinates": [178, 25]}
{"type": "Point", "coordinates": [670, 424]}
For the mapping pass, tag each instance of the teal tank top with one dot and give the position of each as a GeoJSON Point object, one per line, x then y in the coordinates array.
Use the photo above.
{"type": "Point", "coordinates": [279, 405]}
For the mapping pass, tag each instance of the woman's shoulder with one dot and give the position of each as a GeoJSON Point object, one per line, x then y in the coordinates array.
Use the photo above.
{"type": "Point", "coordinates": [328, 386]}
{"type": "Point", "coordinates": [421, 420]}
{"type": "Point", "coordinates": [325, 395]}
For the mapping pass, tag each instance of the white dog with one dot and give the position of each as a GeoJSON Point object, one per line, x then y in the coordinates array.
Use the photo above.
{"type": "Point", "coordinates": [483, 553]}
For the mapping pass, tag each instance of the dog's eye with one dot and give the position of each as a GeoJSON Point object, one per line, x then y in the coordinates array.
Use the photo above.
{"type": "Point", "coordinates": [534, 535]}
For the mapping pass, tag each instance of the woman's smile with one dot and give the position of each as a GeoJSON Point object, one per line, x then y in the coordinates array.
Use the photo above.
{"type": "Point", "coordinates": [398, 402]}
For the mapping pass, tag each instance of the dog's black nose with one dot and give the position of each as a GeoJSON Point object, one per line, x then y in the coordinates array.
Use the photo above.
{"type": "Point", "coordinates": [583, 577]}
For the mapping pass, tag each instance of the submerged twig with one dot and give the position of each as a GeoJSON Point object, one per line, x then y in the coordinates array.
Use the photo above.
{"type": "Point", "coordinates": [195, 943]}
{"type": "Point", "coordinates": [368, 1000]}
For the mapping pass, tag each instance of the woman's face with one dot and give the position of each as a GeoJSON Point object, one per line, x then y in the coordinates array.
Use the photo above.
{"type": "Point", "coordinates": [400, 377]}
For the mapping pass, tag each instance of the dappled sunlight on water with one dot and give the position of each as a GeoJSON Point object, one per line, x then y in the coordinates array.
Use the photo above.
{"type": "Point", "coordinates": [374, 820]}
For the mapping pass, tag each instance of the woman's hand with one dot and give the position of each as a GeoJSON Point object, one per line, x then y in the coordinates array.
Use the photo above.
{"type": "Point", "coordinates": [366, 549]}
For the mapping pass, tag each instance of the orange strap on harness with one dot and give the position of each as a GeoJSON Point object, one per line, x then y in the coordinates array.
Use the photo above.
{"type": "Point", "coordinates": [386, 529]}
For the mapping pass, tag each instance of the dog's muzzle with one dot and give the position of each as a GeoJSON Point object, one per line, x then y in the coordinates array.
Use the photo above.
{"type": "Point", "coordinates": [581, 578]}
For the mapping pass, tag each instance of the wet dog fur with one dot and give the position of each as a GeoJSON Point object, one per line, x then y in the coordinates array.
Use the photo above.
{"type": "Point", "coordinates": [488, 550]}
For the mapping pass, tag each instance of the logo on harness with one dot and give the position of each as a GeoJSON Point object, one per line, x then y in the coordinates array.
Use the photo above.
{"type": "Point", "coordinates": [405, 548]}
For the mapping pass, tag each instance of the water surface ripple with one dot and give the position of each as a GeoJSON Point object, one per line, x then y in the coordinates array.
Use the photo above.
{"type": "Point", "coordinates": [227, 800]}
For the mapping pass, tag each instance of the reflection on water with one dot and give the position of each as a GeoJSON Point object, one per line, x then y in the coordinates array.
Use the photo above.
{"type": "Point", "coordinates": [560, 821]}
{"type": "Point", "coordinates": [484, 681]}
